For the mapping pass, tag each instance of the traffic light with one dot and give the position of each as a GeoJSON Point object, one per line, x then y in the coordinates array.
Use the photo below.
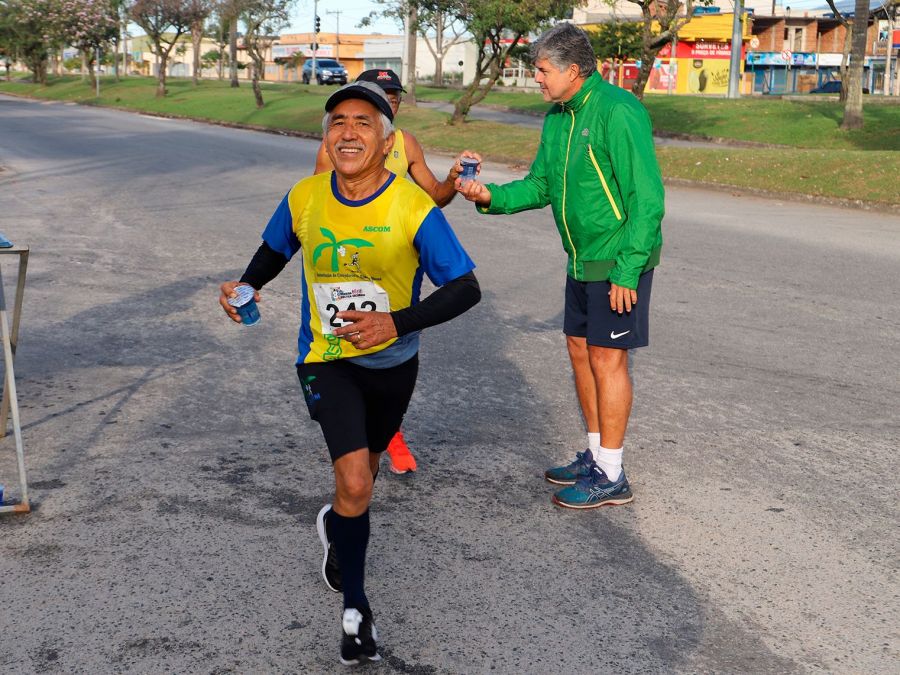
{"type": "Point", "coordinates": [318, 24]}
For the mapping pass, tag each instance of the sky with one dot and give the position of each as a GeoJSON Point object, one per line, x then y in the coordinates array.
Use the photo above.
{"type": "Point", "coordinates": [351, 13]}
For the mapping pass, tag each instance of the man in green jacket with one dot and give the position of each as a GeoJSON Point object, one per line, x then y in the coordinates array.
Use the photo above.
{"type": "Point", "coordinates": [596, 167]}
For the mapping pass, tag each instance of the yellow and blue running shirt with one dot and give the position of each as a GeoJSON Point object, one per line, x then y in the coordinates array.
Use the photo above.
{"type": "Point", "coordinates": [397, 161]}
{"type": "Point", "coordinates": [368, 254]}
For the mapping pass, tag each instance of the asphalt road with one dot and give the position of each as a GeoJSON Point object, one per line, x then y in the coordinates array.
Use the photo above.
{"type": "Point", "coordinates": [176, 476]}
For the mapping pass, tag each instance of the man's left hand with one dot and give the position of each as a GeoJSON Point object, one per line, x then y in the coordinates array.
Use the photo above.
{"type": "Point", "coordinates": [621, 298]}
{"type": "Point", "coordinates": [367, 329]}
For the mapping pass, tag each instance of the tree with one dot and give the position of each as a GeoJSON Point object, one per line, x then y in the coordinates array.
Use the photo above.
{"type": "Point", "coordinates": [164, 22]}
{"type": "Point", "coordinates": [28, 29]}
{"type": "Point", "coordinates": [89, 25]}
{"type": "Point", "coordinates": [617, 41]}
{"type": "Point", "coordinates": [203, 9]}
{"type": "Point", "coordinates": [424, 18]}
{"type": "Point", "coordinates": [228, 12]}
{"type": "Point", "coordinates": [660, 24]}
{"type": "Point", "coordinates": [220, 32]}
{"type": "Point", "coordinates": [440, 17]}
{"type": "Point", "coordinates": [853, 107]}
{"type": "Point", "coordinates": [497, 26]}
{"type": "Point", "coordinates": [845, 56]}
{"type": "Point", "coordinates": [263, 19]}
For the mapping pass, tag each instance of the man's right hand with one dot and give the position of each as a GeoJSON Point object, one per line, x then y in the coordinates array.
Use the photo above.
{"type": "Point", "coordinates": [474, 191]}
{"type": "Point", "coordinates": [226, 291]}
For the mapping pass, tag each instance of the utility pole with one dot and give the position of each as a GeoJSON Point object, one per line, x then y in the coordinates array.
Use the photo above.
{"type": "Point", "coordinates": [314, 73]}
{"type": "Point", "coordinates": [737, 46]}
{"type": "Point", "coordinates": [889, 49]}
{"type": "Point", "coordinates": [672, 64]}
{"type": "Point", "coordinates": [337, 46]}
{"type": "Point", "coordinates": [411, 20]}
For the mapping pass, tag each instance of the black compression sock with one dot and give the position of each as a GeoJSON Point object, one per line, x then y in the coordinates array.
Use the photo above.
{"type": "Point", "coordinates": [351, 537]}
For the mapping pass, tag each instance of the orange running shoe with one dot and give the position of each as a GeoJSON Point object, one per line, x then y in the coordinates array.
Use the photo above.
{"type": "Point", "coordinates": [401, 459]}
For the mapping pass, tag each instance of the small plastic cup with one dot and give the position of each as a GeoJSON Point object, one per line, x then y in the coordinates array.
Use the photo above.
{"type": "Point", "coordinates": [469, 165]}
{"type": "Point", "coordinates": [245, 305]}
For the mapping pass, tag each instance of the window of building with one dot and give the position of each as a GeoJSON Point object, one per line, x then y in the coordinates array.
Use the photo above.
{"type": "Point", "coordinates": [793, 38]}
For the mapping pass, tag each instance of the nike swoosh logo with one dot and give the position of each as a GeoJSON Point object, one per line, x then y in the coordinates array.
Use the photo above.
{"type": "Point", "coordinates": [616, 336]}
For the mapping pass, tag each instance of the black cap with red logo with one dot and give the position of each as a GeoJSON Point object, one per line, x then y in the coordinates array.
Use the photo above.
{"type": "Point", "coordinates": [384, 78]}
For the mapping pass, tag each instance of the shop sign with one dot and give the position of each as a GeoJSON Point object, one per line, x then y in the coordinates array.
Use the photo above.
{"type": "Point", "coordinates": [698, 50]}
{"type": "Point", "coordinates": [784, 58]}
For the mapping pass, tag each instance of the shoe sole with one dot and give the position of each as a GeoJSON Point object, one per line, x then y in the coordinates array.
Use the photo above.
{"type": "Point", "coordinates": [618, 501]}
{"type": "Point", "coordinates": [399, 472]}
{"type": "Point", "coordinates": [557, 481]}
{"type": "Point", "coordinates": [357, 661]}
{"type": "Point", "coordinates": [323, 537]}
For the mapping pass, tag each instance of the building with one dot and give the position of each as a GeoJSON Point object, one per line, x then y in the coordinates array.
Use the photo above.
{"type": "Point", "coordinates": [799, 53]}
{"type": "Point", "coordinates": [283, 64]}
{"type": "Point", "coordinates": [701, 63]}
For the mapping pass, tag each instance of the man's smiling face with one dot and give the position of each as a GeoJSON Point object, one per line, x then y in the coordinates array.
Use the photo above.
{"type": "Point", "coordinates": [355, 139]}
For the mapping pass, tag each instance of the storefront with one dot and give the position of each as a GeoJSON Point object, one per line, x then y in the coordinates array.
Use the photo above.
{"type": "Point", "coordinates": [701, 61]}
{"type": "Point", "coordinates": [700, 67]}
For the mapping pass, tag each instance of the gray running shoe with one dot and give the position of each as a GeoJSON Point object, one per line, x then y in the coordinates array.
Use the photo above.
{"type": "Point", "coordinates": [331, 571]}
{"type": "Point", "coordinates": [570, 473]}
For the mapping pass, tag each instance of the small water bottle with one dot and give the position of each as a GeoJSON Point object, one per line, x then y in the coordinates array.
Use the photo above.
{"type": "Point", "coordinates": [1, 494]}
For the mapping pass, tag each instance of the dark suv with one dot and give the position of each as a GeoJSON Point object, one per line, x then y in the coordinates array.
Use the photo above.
{"type": "Point", "coordinates": [328, 71]}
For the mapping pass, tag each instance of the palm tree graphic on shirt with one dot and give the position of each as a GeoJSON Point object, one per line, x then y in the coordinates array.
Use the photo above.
{"type": "Point", "coordinates": [336, 247]}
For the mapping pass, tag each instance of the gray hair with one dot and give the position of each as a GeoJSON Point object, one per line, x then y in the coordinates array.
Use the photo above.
{"type": "Point", "coordinates": [563, 45]}
{"type": "Point", "coordinates": [387, 126]}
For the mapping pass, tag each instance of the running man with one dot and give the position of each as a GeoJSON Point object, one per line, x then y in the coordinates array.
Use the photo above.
{"type": "Point", "coordinates": [596, 167]}
{"type": "Point", "coordinates": [405, 157]}
{"type": "Point", "coordinates": [365, 239]}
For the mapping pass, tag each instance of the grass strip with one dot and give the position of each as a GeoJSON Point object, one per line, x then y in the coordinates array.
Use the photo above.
{"type": "Point", "coordinates": [808, 123]}
{"type": "Point", "coordinates": [829, 172]}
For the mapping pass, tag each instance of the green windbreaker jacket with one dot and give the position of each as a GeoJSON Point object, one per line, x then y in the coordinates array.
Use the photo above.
{"type": "Point", "coordinates": [596, 166]}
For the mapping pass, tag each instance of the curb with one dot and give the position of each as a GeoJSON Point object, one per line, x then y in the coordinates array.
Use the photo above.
{"type": "Point", "coordinates": [738, 190]}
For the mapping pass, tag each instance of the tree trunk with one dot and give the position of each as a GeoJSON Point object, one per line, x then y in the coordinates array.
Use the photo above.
{"type": "Point", "coordinates": [92, 77]}
{"type": "Point", "coordinates": [845, 61]}
{"type": "Point", "coordinates": [439, 50]}
{"type": "Point", "coordinates": [648, 58]}
{"type": "Point", "coordinates": [161, 75]}
{"type": "Point", "coordinates": [116, 56]}
{"type": "Point", "coordinates": [411, 41]}
{"type": "Point", "coordinates": [232, 53]}
{"type": "Point", "coordinates": [257, 65]}
{"type": "Point", "coordinates": [196, 37]}
{"type": "Point", "coordinates": [853, 109]}
{"type": "Point", "coordinates": [476, 92]}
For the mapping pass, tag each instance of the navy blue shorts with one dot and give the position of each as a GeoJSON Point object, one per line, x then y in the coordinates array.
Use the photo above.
{"type": "Point", "coordinates": [588, 314]}
{"type": "Point", "coordinates": [357, 407]}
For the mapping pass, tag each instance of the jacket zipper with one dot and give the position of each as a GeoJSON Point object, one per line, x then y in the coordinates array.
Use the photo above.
{"type": "Point", "coordinates": [565, 177]}
{"type": "Point", "coordinates": [612, 202]}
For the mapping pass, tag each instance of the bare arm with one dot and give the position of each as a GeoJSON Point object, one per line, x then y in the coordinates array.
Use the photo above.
{"type": "Point", "coordinates": [323, 161]}
{"type": "Point", "coordinates": [442, 192]}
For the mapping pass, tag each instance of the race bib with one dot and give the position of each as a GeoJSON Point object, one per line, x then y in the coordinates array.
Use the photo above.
{"type": "Point", "coordinates": [363, 296]}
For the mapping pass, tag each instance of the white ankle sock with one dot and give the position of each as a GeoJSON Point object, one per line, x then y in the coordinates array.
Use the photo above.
{"type": "Point", "coordinates": [594, 443]}
{"type": "Point", "coordinates": [610, 461]}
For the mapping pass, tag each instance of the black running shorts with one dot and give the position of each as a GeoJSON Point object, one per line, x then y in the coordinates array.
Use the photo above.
{"type": "Point", "coordinates": [588, 314]}
{"type": "Point", "coordinates": [357, 407]}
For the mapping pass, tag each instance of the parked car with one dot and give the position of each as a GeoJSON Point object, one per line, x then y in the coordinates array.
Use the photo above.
{"type": "Point", "coordinates": [832, 87]}
{"type": "Point", "coordinates": [328, 71]}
